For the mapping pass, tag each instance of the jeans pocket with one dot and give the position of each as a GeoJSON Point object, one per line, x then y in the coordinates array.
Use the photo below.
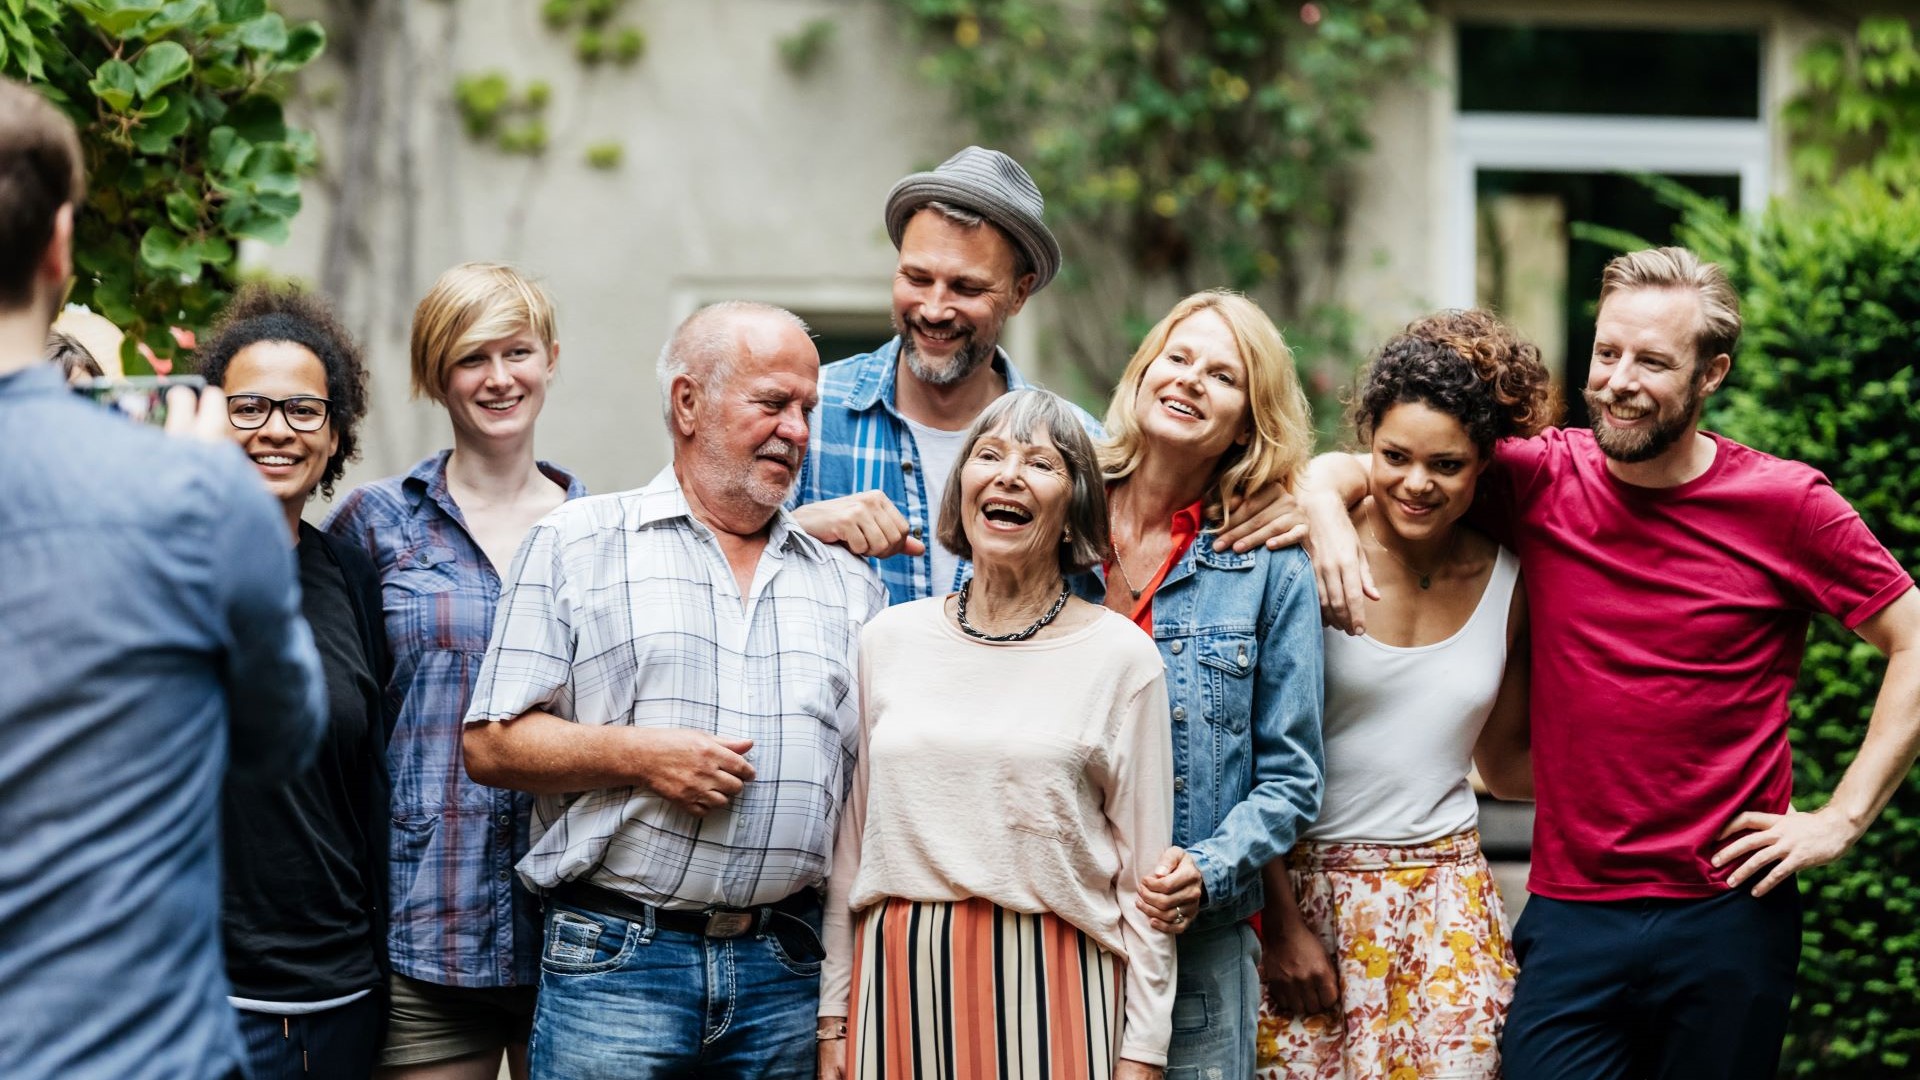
{"type": "Point", "coordinates": [795, 944]}
{"type": "Point", "coordinates": [1191, 1013]}
{"type": "Point", "coordinates": [584, 943]}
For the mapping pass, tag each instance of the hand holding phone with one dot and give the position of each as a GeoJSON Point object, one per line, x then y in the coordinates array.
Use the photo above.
{"type": "Point", "coordinates": [179, 404]}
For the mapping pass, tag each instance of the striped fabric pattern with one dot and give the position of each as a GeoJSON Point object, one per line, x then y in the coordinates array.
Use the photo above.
{"type": "Point", "coordinates": [967, 990]}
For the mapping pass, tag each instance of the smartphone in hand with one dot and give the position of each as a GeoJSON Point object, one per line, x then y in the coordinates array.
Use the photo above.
{"type": "Point", "coordinates": [142, 398]}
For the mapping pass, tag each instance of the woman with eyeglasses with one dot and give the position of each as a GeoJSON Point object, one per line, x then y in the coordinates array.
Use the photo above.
{"type": "Point", "coordinates": [305, 856]}
{"type": "Point", "coordinates": [465, 942]}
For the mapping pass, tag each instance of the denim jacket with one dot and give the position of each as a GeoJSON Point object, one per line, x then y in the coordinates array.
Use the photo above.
{"type": "Point", "coordinates": [1240, 635]}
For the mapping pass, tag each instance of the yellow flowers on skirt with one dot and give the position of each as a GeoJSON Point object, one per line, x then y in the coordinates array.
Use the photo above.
{"type": "Point", "coordinates": [1419, 941]}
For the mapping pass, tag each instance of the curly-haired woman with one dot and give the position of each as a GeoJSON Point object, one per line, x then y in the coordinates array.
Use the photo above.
{"type": "Point", "coordinates": [306, 856]}
{"type": "Point", "coordinates": [1387, 950]}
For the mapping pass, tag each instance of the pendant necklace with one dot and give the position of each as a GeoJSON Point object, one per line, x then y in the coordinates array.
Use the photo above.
{"type": "Point", "coordinates": [1018, 635]}
{"type": "Point", "coordinates": [1121, 565]}
{"type": "Point", "coordinates": [1425, 576]}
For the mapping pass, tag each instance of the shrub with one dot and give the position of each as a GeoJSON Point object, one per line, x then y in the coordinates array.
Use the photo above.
{"type": "Point", "coordinates": [1830, 290]}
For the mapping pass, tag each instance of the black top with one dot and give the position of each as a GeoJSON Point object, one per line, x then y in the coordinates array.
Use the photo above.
{"type": "Point", "coordinates": [305, 859]}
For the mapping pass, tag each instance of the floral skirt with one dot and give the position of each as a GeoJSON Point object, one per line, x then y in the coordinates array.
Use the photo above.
{"type": "Point", "coordinates": [1419, 940]}
{"type": "Point", "coordinates": [967, 990]}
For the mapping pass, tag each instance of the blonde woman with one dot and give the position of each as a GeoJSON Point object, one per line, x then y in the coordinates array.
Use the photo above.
{"type": "Point", "coordinates": [465, 937]}
{"type": "Point", "coordinates": [1208, 412]}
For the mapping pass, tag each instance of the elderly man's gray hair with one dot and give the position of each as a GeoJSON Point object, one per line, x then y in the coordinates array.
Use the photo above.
{"type": "Point", "coordinates": [704, 343]}
{"type": "Point", "coordinates": [1020, 415]}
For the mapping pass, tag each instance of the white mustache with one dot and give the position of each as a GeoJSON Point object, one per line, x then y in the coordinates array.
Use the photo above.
{"type": "Point", "coordinates": [780, 448]}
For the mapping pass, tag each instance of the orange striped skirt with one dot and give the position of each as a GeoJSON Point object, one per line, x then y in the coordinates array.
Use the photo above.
{"type": "Point", "coordinates": [967, 990]}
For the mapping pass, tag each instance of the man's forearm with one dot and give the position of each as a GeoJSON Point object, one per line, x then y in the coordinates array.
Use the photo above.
{"type": "Point", "coordinates": [543, 754]}
{"type": "Point", "coordinates": [1887, 753]}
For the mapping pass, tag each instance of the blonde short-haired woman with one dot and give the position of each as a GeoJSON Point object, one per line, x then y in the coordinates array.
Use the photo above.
{"type": "Point", "coordinates": [465, 938]}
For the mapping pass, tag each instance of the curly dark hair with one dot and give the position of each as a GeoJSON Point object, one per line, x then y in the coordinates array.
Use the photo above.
{"type": "Point", "coordinates": [264, 312]}
{"type": "Point", "coordinates": [1466, 364]}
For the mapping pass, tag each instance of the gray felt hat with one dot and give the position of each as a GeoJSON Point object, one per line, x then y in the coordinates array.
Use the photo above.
{"type": "Point", "coordinates": [990, 184]}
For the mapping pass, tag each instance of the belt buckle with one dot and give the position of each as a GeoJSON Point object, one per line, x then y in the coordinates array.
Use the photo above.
{"type": "Point", "coordinates": [728, 924]}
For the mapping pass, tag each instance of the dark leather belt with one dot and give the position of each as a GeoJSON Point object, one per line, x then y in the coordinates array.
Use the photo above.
{"type": "Point", "coordinates": [715, 922]}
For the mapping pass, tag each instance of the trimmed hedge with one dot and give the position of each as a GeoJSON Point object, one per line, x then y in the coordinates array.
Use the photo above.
{"type": "Point", "coordinates": [1830, 290]}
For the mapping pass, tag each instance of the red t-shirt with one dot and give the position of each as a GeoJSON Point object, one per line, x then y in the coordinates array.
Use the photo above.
{"type": "Point", "coordinates": [1668, 626]}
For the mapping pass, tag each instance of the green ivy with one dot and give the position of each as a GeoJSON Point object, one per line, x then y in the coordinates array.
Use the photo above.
{"type": "Point", "coordinates": [492, 110]}
{"type": "Point", "coordinates": [1861, 107]}
{"type": "Point", "coordinates": [178, 103]}
{"type": "Point", "coordinates": [1830, 292]}
{"type": "Point", "coordinates": [1208, 140]}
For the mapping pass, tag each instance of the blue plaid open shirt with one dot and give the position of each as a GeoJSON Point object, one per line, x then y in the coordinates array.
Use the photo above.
{"type": "Point", "coordinates": [459, 917]}
{"type": "Point", "coordinates": [859, 442]}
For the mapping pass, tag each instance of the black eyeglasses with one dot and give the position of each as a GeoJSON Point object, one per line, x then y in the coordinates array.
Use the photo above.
{"type": "Point", "coordinates": [250, 411]}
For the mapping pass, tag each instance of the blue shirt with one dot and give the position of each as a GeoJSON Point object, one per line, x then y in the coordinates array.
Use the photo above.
{"type": "Point", "coordinates": [458, 916]}
{"type": "Point", "coordinates": [859, 442]}
{"type": "Point", "coordinates": [150, 621]}
{"type": "Point", "coordinates": [1240, 635]}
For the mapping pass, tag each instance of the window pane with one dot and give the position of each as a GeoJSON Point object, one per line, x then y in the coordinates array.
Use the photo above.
{"type": "Point", "coordinates": [1541, 279]}
{"type": "Point", "coordinates": [1533, 69]}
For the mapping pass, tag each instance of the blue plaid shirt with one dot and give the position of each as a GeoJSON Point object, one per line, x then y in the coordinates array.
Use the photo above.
{"type": "Point", "coordinates": [459, 916]}
{"type": "Point", "coordinates": [859, 442]}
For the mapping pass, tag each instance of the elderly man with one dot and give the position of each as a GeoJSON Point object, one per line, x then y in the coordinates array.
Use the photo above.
{"type": "Point", "coordinates": [151, 629]}
{"type": "Point", "coordinates": [973, 250]}
{"type": "Point", "coordinates": [1671, 575]}
{"type": "Point", "coordinates": [672, 671]}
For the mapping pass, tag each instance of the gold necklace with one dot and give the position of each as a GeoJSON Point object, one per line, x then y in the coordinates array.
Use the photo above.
{"type": "Point", "coordinates": [1425, 577]}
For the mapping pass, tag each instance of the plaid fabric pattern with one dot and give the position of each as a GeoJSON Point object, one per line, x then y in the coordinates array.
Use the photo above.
{"type": "Point", "coordinates": [459, 918]}
{"type": "Point", "coordinates": [623, 610]}
{"type": "Point", "coordinates": [859, 442]}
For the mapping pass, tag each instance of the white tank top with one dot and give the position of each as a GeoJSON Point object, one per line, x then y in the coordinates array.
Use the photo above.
{"type": "Point", "coordinates": [1401, 723]}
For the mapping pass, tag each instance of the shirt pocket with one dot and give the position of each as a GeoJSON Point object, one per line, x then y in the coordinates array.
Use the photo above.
{"type": "Point", "coordinates": [1227, 662]}
{"type": "Point", "coordinates": [433, 603]}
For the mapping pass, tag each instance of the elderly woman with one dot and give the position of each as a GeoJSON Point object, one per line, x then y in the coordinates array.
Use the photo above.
{"type": "Point", "coordinates": [1014, 785]}
{"type": "Point", "coordinates": [466, 936]}
{"type": "Point", "coordinates": [1209, 410]}
{"type": "Point", "coordinates": [306, 859]}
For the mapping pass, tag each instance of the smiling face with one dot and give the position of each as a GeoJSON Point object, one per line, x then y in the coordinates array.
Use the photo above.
{"type": "Point", "coordinates": [952, 293]}
{"type": "Point", "coordinates": [1646, 383]}
{"type": "Point", "coordinates": [292, 462]}
{"type": "Point", "coordinates": [1014, 498]}
{"type": "Point", "coordinates": [749, 429]}
{"type": "Point", "coordinates": [1423, 471]}
{"type": "Point", "coordinates": [495, 391]}
{"type": "Point", "coordinates": [1194, 393]}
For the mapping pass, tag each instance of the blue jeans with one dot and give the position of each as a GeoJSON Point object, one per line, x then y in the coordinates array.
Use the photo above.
{"type": "Point", "coordinates": [623, 999]}
{"type": "Point", "coordinates": [1216, 1004]}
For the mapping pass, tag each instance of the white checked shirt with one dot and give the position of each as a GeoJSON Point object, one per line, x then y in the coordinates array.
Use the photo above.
{"type": "Point", "coordinates": [622, 610]}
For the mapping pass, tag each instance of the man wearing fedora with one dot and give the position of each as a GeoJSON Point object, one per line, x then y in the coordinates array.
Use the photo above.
{"type": "Point", "coordinates": [973, 250]}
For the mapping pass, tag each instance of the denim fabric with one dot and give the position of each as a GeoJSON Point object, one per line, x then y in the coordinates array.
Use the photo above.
{"type": "Point", "coordinates": [1216, 1004]}
{"type": "Point", "coordinates": [458, 915]}
{"type": "Point", "coordinates": [150, 634]}
{"type": "Point", "coordinates": [1240, 635]}
{"type": "Point", "coordinates": [859, 442]}
{"type": "Point", "coordinates": [624, 1000]}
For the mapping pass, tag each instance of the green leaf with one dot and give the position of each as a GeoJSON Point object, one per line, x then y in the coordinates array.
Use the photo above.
{"type": "Point", "coordinates": [265, 34]}
{"type": "Point", "coordinates": [183, 211]}
{"type": "Point", "coordinates": [227, 152]}
{"type": "Point", "coordinates": [117, 17]}
{"type": "Point", "coordinates": [164, 249]}
{"type": "Point", "coordinates": [264, 227]}
{"type": "Point", "coordinates": [157, 135]}
{"type": "Point", "coordinates": [115, 85]}
{"type": "Point", "coordinates": [304, 42]}
{"type": "Point", "coordinates": [258, 119]}
{"type": "Point", "coordinates": [240, 11]}
{"type": "Point", "coordinates": [160, 66]}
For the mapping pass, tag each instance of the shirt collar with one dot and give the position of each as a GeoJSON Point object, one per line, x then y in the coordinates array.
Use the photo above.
{"type": "Point", "coordinates": [428, 480]}
{"type": "Point", "coordinates": [36, 380]}
{"type": "Point", "coordinates": [663, 500]}
{"type": "Point", "coordinates": [880, 371]}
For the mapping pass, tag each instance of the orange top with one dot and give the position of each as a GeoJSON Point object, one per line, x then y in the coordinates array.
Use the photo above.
{"type": "Point", "coordinates": [1187, 523]}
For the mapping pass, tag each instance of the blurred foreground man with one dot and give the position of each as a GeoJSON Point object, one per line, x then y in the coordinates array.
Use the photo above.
{"type": "Point", "coordinates": [150, 625]}
{"type": "Point", "coordinates": [1672, 574]}
{"type": "Point", "coordinates": [672, 672]}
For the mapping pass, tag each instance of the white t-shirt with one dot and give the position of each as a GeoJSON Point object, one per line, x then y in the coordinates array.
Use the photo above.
{"type": "Point", "coordinates": [938, 451]}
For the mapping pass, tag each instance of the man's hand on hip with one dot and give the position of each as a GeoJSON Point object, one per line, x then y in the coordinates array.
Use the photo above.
{"type": "Point", "coordinates": [1792, 842]}
{"type": "Point", "coordinates": [691, 769]}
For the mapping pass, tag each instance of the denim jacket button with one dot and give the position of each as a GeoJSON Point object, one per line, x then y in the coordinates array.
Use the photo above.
{"type": "Point", "coordinates": [1179, 712]}
{"type": "Point", "coordinates": [1176, 647]}
{"type": "Point", "coordinates": [1179, 783]}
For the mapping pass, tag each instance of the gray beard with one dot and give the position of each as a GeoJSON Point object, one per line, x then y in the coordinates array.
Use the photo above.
{"type": "Point", "coordinates": [965, 361]}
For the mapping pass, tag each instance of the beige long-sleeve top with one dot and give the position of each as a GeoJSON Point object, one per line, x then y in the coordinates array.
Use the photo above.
{"type": "Point", "coordinates": [1035, 774]}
